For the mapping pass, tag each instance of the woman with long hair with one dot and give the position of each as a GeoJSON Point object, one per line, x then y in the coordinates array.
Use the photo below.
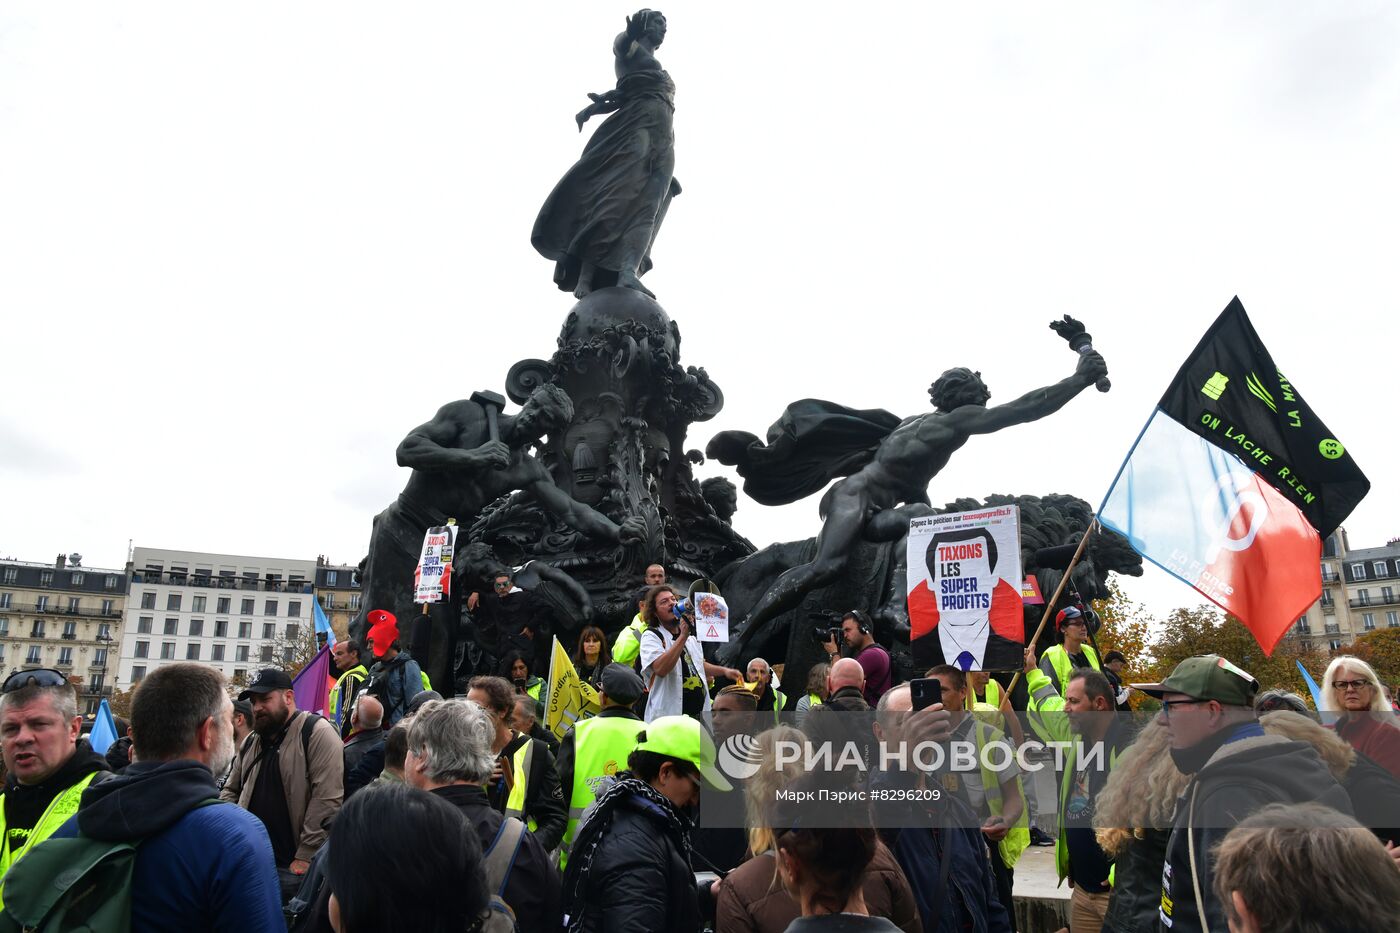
{"type": "Point", "coordinates": [1133, 821]}
{"type": "Point", "coordinates": [753, 898]}
{"type": "Point", "coordinates": [516, 669]}
{"type": "Point", "coordinates": [1351, 688]}
{"type": "Point", "coordinates": [592, 655]}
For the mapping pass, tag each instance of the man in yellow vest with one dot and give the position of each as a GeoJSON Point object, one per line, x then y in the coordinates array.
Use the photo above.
{"type": "Point", "coordinates": [47, 765]}
{"type": "Point", "coordinates": [595, 749]}
{"type": "Point", "coordinates": [995, 795]}
{"type": "Point", "coordinates": [1073, 653]}
{"type": "Point", "coordinates": [528, 785]}
{"type": "Point", "coordinates": [353, 674]}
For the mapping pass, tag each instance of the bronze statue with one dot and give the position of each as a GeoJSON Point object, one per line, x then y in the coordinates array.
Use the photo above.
{"type": "Point", "coordinates": [600, 221]}
{"type": "Point", "coordinates": [890, 471]}
{"type": "Point", "coordinates": [465, 458]}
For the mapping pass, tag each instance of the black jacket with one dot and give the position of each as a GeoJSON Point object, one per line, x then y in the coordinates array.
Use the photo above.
{"type": "Point", "coordinates": [1137, 885]}
{"type": "Point", "coordinates": [639, 880]}
{"type": "Point", "coordinates": [544, 800]}
{"type": "Point", "coordinates": [360, 743]}
{"type": "Point", "coordinates": [532, 888]}
{"type": "Point", "coordinates": [1241, 778]}
{"type": "Point", "coordinates": [25, 803]}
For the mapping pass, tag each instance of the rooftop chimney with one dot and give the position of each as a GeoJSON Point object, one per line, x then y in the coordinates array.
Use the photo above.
{"type": "Point", "coordinates": [60, 562]}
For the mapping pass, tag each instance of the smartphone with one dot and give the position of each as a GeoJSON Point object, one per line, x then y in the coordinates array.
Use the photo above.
{"type": "Point", "coordinates": [925, 691]}
{"type": "Point", "coordinates": [520, 685]}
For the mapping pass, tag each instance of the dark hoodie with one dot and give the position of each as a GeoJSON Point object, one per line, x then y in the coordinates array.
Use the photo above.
{"type": "Point", "coordinates": [1248, 772]}
{"type": "Point", "coordinates": [24, 804]}
{"type": "Point", "coordinates": [198, 867]}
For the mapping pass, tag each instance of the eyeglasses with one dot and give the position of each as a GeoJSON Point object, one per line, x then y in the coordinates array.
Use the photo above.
{"type": "Point", "coordinates": [1168, 704]}
{"type": "Point", "coordinates": [39, 677]}
{"type": "Point", "coordinates": [1344, 685]}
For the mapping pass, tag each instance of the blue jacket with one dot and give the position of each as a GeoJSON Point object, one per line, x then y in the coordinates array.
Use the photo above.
{"type": "Point", "coordinates": [199, 868]}
{"type": "Point", "coordinates": [395, 683]}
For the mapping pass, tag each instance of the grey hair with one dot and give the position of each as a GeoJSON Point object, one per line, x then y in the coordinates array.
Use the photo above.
{"type": "Point", "coordinates": [65, 700]}
{"type": "Point", "coordinates": [454, 737]}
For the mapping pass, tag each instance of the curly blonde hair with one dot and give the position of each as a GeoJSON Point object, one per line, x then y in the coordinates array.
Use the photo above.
{"type": "Point", "coordinates": [762, 789]}
{"type": "Point", "coordinates": [1141, 791]}
{"type": "Point", "coordinates": [1336, 753]}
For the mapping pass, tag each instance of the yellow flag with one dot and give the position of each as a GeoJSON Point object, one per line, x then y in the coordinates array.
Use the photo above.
{"type": "Point", "coordinates": [570, 698]}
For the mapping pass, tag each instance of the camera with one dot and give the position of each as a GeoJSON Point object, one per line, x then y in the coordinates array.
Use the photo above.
{"type": "Point", "coordinates": [830, 627]}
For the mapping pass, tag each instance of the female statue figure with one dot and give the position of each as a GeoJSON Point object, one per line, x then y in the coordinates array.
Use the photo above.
{"type": "Point", "coordinates": [601, 219]}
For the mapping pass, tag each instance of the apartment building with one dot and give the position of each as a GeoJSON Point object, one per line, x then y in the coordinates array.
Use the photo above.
{"type": "Point", "coordinates": [233, 612]}
{"type": "Point", "coordinates": [338, 591]}
{"type": "Point", "coordinates": [1360, 593]}
{"type": "Point", "coordinates": [65, 616]}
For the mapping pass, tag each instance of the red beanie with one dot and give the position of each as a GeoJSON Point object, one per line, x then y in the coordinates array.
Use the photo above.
{"type": "Point", "coordinates": [383, 630]}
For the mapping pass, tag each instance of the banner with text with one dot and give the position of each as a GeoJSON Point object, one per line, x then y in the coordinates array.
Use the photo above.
{"type": "Point", "coordinates": [964, 576]}
{"type": "Point", "coordinates": [432, 580]}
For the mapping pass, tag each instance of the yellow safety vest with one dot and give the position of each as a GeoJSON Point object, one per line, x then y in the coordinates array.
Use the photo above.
{"type": "Point", "coordinates": [1018, 837]}
{"type": "Point", "coordinates": [1059, 659]}
{"type": "Point", "coordinates": [628, 646]}
{"type": "Point", "coordinates": [58, 812]}
{"type": "Point", "coordinates": [601, 747]}
{"type": "Point", "coordinates": [358, 672]}
{"type": "Point", "coordinates": [993, 694]}
{"type": "Point", "coordinates": [515, 803]}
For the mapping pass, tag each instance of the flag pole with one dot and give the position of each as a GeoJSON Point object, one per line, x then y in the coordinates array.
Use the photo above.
{"type": "Point", "coordinates": [1049, 606]}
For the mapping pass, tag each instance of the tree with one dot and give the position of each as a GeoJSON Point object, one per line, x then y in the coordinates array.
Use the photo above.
{"type": "Point", "coordinates": [1205, 630]}
{"type": "Point", "coordinates": [120, 702]}
{"type": "Point", "coordinates": [1125, 626]}
{"type": "Point", "coordinates": [1381, 650]}
{"type": "Point", "coordinates": [293, 654]}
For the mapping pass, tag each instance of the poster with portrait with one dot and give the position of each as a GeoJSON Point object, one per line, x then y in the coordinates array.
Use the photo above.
{"type": "Point", "coordinates": [711, 618]}
{"type": "Point", "coordinates": [964, 577]}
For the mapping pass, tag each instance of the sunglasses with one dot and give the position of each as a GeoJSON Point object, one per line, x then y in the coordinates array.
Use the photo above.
{"type": "Point", "coordinates": [39, 677]}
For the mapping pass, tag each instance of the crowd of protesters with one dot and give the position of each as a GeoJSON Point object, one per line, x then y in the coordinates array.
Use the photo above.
{"type": "Point", "coordinates": [401, 809]}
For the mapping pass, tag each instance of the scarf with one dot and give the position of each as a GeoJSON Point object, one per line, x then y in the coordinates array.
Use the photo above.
{"type": "Point", "coordinates": [591, 835]}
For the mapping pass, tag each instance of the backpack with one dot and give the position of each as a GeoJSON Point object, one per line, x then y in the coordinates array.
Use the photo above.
{"type": "Point", "coordinates": [72, 885]}
{"type": "Point", "coordinates": [497, 864]}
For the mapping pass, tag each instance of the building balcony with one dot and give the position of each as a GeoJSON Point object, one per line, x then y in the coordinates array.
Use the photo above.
{"type": "Point", "coordinates": [1382, 600]}
{"type": "Point", "coordinates": [221, 583]}
{"type": "Point", "coordinates": [1329, 608]}
{"type": "Point", "coordinates": [62, 611]}
{"type": "Point", "coordinates": [1333, 628]}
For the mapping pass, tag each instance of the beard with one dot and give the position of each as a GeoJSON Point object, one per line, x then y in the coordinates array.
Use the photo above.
{"type": "Point", "coordinates": [269, 722]}
{"type": "Point", "coordinates": [221, 755]}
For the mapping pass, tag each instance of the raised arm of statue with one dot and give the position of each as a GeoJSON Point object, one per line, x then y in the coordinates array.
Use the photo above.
{"type": "Point", "coordinates": [586, 519]}
{"type": "Point", "coordinates": [434, 446]}
{"type": "Point", "coordinates": [1034, 405]}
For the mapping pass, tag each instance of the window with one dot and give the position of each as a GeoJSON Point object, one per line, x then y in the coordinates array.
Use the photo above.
{"type": "Point", "coordinates": [172, 626]}
{"type": "Point", "coordinates": [218, 654]}
{"type": "Point", "coordinates": [5, 600]}
{"type": "Point", "coordinates": [327, 601]}
{"type": "Point", "coordinates": [99, 657]}
{"type": "Point", "coordinates": [10, 574]}
{"type": "Point", "coordinates": [247, 607]}
{"type": "Point", "coordinates": [240, 674]}
{"type": "Point", "coordinates": [199, 603]}
{"type": "Point", "coordinates": [46, 578]}
{"type": "Point", "coordinates": [111, 582]}
{"type": "Point", "coordinates": [76, 579]}
{"type": "Point", "coordinates": [143, 649]}
{"type": "Point", "coordinates": [73, 604]}
{"type": "Point", "coordinates": [241, 654]}
{"type": "Point", "coordinates": [167, 651]}
{"type": "Point", "coordinates": [65, 657]}
{"type": "Point", "coordinates": [268, 630]}
{"type": "Point", "coordinates": [192, 651]}
{"type": "Point", "coordinates": [172, 602]}
{"type": "Point", "coordinates": [294, 608]}
{"type": "Point", "coordinates": [1392, 619]}
{"type": "Point", "coordinates": [1358, 571]}
{"type": "Point", "coordinates": [270, 607]}
{"type": "Point", "coordinates": [354, 602]}
{"type": "Point", "coordinates": [222, 607]}
{"type": "Point", "coordinates": [1368, 621]}
{"type": "Point", "coordinates": [1380, 568]}
{"type": "Point", "coordinates": [138, 672]}
{"type": "Point", "coordinates": [196, 628]}
{"type": "Point", "coordinates": [38, 629]}
{"type": "Point", "coordinates": [331, 577]}
{"type": "Point", "coordinates": [1326, 598]}
{"type": "Point", "coordinates": [287, 653]}
{"type": "Point", "coordinates": [95, 685]}
{"type": "Point", "coordinates": [70, 630]}
{"type": "Point", "coordinates": [104, 631]}
{"type": "Point", "coordinates": [4, 626]}
{"type": "Point", "coordinates": [108, 607]}
{"type": "Point", "coordinates": [266, 654]}
{"type": "Point", "coordinates": [148, 600]}
{"type": "Point", "coordinates": [143, 625]}
{"type": "Point", "coordinates": [1334, 644]}
{"type": "Point", "coordinates": [33, 656]}
{"type": "Point", "coordinates": [245, 630]}
{"type": "Point", "coordinates": [41, 604]}
{"type": "Point", "coordinates": [221, 628]}
{"type": "Point", "coordinates": [1303, 623]}
{"type": "Point", "coordinates": [293, 632]}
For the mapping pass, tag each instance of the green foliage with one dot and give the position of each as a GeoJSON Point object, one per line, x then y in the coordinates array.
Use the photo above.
{"type": "Point", "coordinates": [1125, 626]}
{"type": "Point", "coordinates": [1381, 650]}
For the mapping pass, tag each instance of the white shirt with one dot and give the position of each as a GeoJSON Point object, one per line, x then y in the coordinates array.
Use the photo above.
{"type": "Point", "coordinates": [664, 698]}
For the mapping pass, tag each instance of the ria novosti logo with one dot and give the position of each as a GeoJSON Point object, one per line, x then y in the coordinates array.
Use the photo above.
{"type": "Point", "coordinates": [739, 756]}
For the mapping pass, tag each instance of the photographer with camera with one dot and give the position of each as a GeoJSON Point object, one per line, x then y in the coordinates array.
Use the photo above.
{"type": "Point", "coordinates": [1074, 653]}
{"type": "Point", "coordinates": [673, 663]}
{"type": "Point", "coordinates": [859, 634]}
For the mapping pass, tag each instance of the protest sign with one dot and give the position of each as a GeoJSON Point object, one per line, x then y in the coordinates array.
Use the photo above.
{"type": "Point", "coordinates": [964, 586]}
{"type": "Point", "coordinates": [711, 617]}
{"type": "Point", "coordinates": [432, 580]}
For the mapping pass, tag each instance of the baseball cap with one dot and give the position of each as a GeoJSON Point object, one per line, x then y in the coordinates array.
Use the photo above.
{"type": "Point", "coordinates": [268, 680]}
{"type": "Point", "coordinates": [622, 684]}
{"type": "Point", "coordinates": [1068, 614]}
{"type": "Point", "coordinates": [683, 737]}
{"type": "Point", "coordinates": [1207, 677]}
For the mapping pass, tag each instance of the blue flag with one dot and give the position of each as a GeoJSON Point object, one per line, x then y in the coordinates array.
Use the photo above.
{"type": "Point", "coordinates": [104, 729]}
{"type": "Point", "coordinates": [322, 623]}
{"type": "Point", "coordinates": [1312, 686]}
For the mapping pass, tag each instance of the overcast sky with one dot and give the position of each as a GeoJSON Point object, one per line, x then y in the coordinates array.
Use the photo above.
{"type": "Point", "coordinates": [244, 248]}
